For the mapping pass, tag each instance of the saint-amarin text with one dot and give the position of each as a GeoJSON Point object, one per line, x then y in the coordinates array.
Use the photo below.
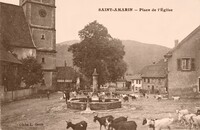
{"type": "Point", "coordinates": [116, 9]}
{"type": "Point", "coordinates": [135, 10]}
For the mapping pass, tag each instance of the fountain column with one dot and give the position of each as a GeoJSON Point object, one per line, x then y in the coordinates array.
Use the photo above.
{"type": "Point", "coordinates": [95, 80]}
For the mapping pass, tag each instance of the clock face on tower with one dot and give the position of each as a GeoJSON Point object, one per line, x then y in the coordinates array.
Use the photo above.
{"type": "Point", "coordinates": [42, 13]}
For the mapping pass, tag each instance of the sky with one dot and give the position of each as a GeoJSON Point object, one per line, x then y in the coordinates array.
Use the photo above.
{"type": "Point", "coordinates": [153, 27]}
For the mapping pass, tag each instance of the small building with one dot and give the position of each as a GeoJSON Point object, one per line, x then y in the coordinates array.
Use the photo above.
{"type": "Point", "coordinates": [154, 77]}
{"type": "Point", "coordinates": [121, 84]}
{"type": "Point", "coordinates": [9, 70]}
{"type": "Point", "coordinates": [10, 81]}
{"type": "Point", "coordinates": [183, 67]}
{"type": "Point", "coordinates": [67, 78]}
{"type": "Point", "coordinates": [136, 82]}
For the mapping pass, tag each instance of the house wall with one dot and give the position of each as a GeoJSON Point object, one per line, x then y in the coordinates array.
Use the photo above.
{"type": "Point", "coordinates": [182, 83]}
{"type": "Point", "coordinates": [198, 66]}
{"type": "Point", "coordinates": [136, 84]}
{"type": "Point", "coordinates": [154, 84]}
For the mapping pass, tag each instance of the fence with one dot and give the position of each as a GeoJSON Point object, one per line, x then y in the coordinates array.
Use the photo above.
{"type": "Point", "coordinates": [17, 94]}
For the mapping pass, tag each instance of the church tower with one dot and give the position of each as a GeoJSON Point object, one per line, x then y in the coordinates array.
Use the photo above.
{"type": "Point", "coordinates": [40, 15]}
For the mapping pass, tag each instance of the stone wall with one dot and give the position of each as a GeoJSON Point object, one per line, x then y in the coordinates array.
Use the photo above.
{"type": "Point", "coordinates": [94, 105]}
{"type": "Point", "coordinates": [40, 15]}
{"type": "Point", "coordinates": [49, 60]}
{"type": "Point", "coordinates": [48, 79]}
{"type": "Point", "coordinates": [44, 39]}
{"type": "Point", "coordinates": [155, 84]}
{"type": "Point", "coordinates": [17, 94]}
{"type": "Point", "coordinates": [189, 92]}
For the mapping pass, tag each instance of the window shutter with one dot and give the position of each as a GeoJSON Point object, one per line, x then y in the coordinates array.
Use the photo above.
{"type": "Point", "coordinates": [178, 64]}
{"type": "Point", "coordinates": [192, 64]}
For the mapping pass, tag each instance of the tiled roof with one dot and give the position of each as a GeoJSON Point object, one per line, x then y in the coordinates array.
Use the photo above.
{"type": "Point", "coordinates": [183, 41]}
{"type": "Point", "coordinates": [14, 27]}
{"type": "Point", "coordinates": [7, 57]}
{"type": "Point", "coordinates": [156, 70]}
{"type": "Point", "coordinates": [67, 73]}
{"type": "Point", "coordinates": [136, 76]}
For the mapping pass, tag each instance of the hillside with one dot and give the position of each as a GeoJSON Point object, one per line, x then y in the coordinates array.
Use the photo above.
{"type": "Point", "coordinates": [63, 54]}
{"type": "Point", "coordinates": [137, 54]}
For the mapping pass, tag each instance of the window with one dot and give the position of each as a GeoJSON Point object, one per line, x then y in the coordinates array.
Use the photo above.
{"type": "Point", "coordinates": [159, 81]}
{"type": "Point", "coordinates": [43, 37]}
{"type": "Point", "coordinates": [187, 64]}
{"type": "Point", "coordinates": [148, 80]}
{"type": "Point", "coordinates": [43, 60]}
{"type": "Point", "coordinates": [152, 88]}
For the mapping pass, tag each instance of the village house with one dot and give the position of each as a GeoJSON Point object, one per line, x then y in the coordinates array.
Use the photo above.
{"type": "Point", "coordinates": [135, 82]}
{"type": "Point", "coordinates": [183, 67]}
{"type": "Point", "coordinates": [121, 84]}
{"type": "Point", "coordinates": [67, 78]}
{"type": "Point", "coordinates": [154, 77]}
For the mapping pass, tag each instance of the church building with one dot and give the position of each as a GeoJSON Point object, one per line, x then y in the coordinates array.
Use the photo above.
{"type": "Point", "coordinates": [30, 30]}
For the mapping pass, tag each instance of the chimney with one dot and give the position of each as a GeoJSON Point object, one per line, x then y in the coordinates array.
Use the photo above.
{"type": "Point", "coordinates": [176, 42]}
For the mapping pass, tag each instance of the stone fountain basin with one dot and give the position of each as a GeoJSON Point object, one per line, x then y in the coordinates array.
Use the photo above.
{"type": "Point", "coordinates": [80, 104]}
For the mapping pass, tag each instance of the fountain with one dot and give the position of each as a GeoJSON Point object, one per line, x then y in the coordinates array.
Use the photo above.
{"type": "Point", "coordinates": [88, 104]}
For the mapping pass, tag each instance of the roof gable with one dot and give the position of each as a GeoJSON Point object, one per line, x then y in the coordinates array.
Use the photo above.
{"type": "Point", "coordinates": [15, 29]}
{"type": "Point", "coordinates": [133, 77]}
{"type": "Point", "coordinates": [183, 42]}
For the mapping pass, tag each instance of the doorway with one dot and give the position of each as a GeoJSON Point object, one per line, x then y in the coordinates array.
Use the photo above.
{"type": "Point", "coordinates": [152, 89]}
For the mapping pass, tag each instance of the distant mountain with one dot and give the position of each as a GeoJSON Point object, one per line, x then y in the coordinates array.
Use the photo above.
{"type": "Point", "coordinates": [140, 54]}
{"type": "Point", "coordinates": [63, 54]}
{"type": "Point", "coordinates": [137, 54]}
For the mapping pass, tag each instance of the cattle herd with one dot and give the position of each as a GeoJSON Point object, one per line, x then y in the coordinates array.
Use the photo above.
{"type": "Point", "coordinates": [191, 120]}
